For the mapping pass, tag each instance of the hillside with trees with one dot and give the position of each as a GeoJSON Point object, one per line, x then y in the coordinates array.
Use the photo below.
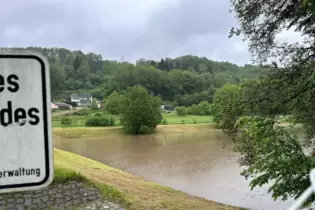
{"type": "Point", "coordinates": [184, 80]}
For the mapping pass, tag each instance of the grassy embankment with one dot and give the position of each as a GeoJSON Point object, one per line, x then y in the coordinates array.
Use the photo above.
{"type": "Point", "coordinates": [171, 118]}
{"type": "Point", "coordinates": [129, 190]}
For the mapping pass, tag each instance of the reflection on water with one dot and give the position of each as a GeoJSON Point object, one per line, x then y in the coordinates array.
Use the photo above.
{"type": "Point", "coordinates": [194, 162]}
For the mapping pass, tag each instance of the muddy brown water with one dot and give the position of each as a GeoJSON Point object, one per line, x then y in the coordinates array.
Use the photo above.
{"type": "Point", "coordinates": [199, 163]}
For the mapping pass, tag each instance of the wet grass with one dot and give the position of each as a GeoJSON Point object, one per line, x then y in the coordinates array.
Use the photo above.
{"type": "Point", "coordinates": [171, 118]}
{"type": "Point", "coordinates": [77, 132]}
{"type": "Point", "coordinates": [90, 132]}
{"type": "Point", "coordinates": [63, 175]}
{"type": "Point", "coordinates": [133, 191]}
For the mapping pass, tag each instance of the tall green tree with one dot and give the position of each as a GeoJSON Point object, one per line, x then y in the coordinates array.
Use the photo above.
{"type": "Point", "coordinates": [57, 79]}
{"type": "Point", "coordinates": [261, 21]}
{"type": "Point", "coordinates": [227, 106]}
{"type": "Point", "coordinates": [140, 111]}
{"type": "Point", "coordinates": [113, 103]}
{"type": "Point", "coordinates": [288, 88]}
{"type": "Point", "coordinates": [273, 156]}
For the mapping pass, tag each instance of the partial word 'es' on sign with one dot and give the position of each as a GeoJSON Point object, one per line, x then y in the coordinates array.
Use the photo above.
{"type": "Point", "coordinates": [26, 152]}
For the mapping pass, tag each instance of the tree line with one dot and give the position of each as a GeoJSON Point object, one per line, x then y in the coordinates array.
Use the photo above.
{"type": "Point", "coordinates": [184, 80]}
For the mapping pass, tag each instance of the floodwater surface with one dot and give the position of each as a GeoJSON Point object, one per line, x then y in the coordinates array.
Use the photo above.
{"type": "Point", "coordinates": [200, 163]}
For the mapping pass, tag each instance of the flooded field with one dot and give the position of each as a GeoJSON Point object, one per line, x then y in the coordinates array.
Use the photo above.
{"type": "Point", "coordinates": [199, 162]}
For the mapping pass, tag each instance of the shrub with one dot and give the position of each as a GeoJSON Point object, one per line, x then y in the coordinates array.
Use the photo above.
{"type": "Point", "coordinates": [164, 122]}
{"type": "Point", "coordinates": [100, 121]}
{"type": "Point", "coordinates": [98, 114]}
{"type": "Point", "coordinates": [66, 121]}
{"type": "Point", "coordinates": [164, 112]}
{"type": "Point", "coordinates": [211, 109]}
{"type": "Point", "coordinates": [181, 111]}
{"type": "Point", "coordinates": [112, 121]}
{"type": "Point", "coordinates": [194, 110]}
{"type": "Point", "coordinates": [203, 108]}
{"type": "Point", "coordinates": [82, 112]}
{"type": "Point", "coordinates": [113, 103]}
{"type": "Point", "coordinates": [120, 122]}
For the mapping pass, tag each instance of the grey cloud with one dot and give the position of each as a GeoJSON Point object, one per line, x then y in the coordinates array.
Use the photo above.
{"type": "Point", "coordinates": [192, 27]}
{"type": "Point", "coordinates": [192, 18]}
{"type": "Point", "coordinates": [129, 28]}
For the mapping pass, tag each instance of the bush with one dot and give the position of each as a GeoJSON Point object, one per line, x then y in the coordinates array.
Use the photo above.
{"type": "Point", "coordinates": [211, 109]}
{"type": "Point", "coordinates": [203, 108]}
{"type": "Point", "coordinates": [98, 114]}
{"type": "Point", "coordinates": [181, 111]}
{"type": "Point", "coordinates": [164, 122]}
{"type": "Point", "coordinates": [194, 110]}
{"type": "Point", "coordinates": [164, 111]}
{"type": "Point", "coordinates": [120, 122]}
{"type": "Point", "coordinates": [113, 103]}
{"type": "Point", "coordinates": [66, 121]}
{"type": "Point", "coordinates": [100, 121]}
{"type": "Point", "coordinates": [82, 112]}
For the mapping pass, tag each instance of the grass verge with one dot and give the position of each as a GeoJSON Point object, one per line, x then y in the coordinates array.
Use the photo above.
{"type": "Point", "coordinates": [87, 132]}
{"type": "Point", "coordinates": [171, 118]}
{"type": "Point", "coordinates": [64, 175]}
{"type": "Point", "coordinates": [133, 191]}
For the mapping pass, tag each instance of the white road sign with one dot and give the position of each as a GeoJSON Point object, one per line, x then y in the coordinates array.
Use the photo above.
{"type": "Point", "coordinates": [26, 154]}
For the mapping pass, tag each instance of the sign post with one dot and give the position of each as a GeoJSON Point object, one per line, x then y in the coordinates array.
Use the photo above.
{"type": "Point", "coordinates": [26, 152]}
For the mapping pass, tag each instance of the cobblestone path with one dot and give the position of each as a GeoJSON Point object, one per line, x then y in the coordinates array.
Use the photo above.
{"type": "Point", "coordinates": [73, 195]}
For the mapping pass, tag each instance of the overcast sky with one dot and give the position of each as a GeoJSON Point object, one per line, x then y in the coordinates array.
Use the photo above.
{"type": "Point", "coordinates": [130, 28]}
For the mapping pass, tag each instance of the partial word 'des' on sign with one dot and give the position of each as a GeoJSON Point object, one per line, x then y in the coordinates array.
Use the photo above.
{"type": "Point", "coordinates": [26, 159]}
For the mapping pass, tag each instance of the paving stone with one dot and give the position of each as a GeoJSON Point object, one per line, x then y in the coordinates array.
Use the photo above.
{"type": "Point", "coordinates": [73, 195]}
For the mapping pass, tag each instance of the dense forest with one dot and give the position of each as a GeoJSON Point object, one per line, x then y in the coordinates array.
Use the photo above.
{"type": "Point", "coordinates": [183, 80]}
